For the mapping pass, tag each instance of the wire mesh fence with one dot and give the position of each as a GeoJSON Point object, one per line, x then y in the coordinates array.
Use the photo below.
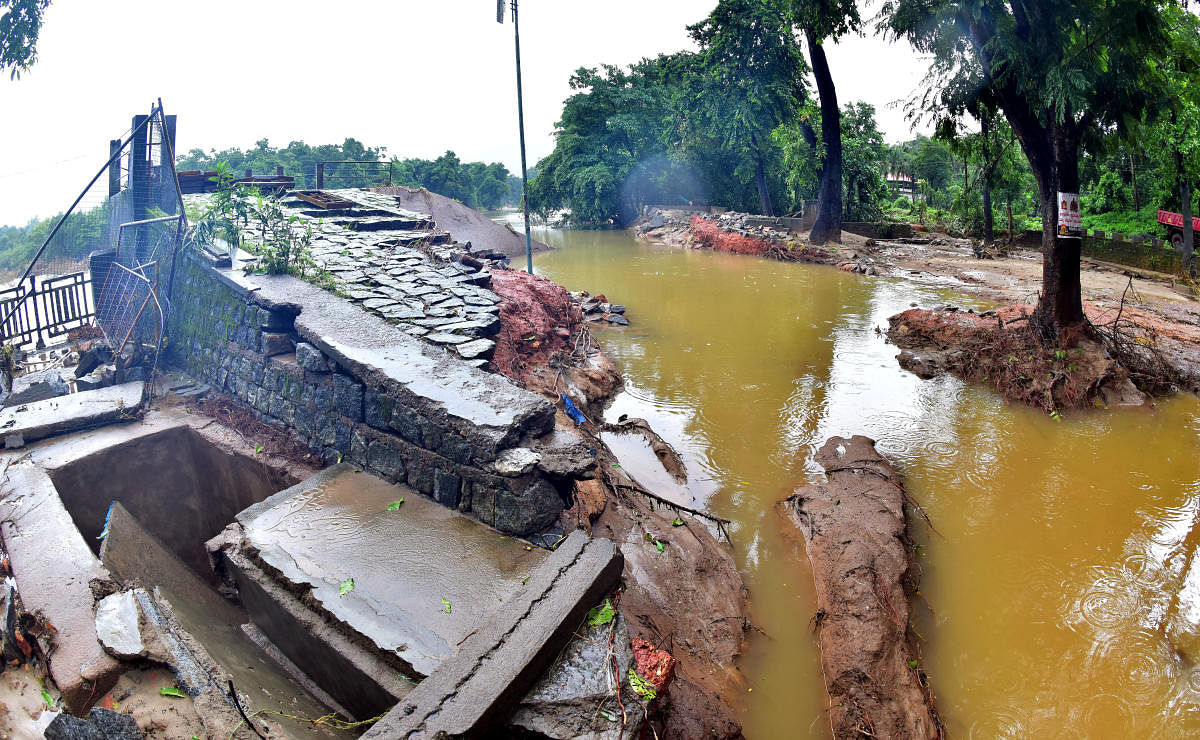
{"type": "Point", "coordinates": [106, 261]}
{"type": "Point", "coordinates": [353, 174]}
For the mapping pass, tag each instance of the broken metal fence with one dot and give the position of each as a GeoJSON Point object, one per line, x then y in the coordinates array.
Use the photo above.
{"type": "Point", "coordinates": [353, 174]}
{"type": "Point", "coordinates": [107, 261]}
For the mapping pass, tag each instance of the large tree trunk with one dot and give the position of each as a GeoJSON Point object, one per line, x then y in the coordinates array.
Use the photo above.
{"type": "Point", "coordinates": [828, 226]}
{"type": "Point", "coordinates": [989, 222]}
{"type": "Point", "coordinates": [1060, 308]}
{"type": "Point", "coordinates": [760, 180]}
{"type": "Point", "coordinates": [1189, 237]}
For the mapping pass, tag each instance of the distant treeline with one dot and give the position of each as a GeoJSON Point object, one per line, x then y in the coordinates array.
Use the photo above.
{"type": "Point", "coordinates": [475, 184]}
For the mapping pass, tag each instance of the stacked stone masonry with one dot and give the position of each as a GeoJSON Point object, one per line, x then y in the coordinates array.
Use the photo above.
{"type": "Point", "coordinates": [245, 343]}
{"type": "Point", "coordinates": [397, 265]}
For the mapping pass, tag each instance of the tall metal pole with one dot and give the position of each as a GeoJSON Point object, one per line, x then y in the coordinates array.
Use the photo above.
{"type": "Point", "coordinates": [521, 123]}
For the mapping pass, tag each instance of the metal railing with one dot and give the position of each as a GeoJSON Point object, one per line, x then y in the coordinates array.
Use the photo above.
{"type": "Point", "coordinates": [350, 173]}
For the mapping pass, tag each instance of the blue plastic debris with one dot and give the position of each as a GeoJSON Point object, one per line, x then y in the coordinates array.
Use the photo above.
{"type": "Point", "coordinates": [107, 517]}
{"type": "Point", "coordinates": [572, 411]}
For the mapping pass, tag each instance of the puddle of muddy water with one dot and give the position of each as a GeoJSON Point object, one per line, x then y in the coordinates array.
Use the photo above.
{"type": "Point", "coordinates": [1061, 597]}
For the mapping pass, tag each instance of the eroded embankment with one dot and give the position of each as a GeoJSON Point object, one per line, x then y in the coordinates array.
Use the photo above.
{"type": "Point", "coordinates": [676, 577]}
{"type": "Point", "coordinates": [1114, 367]}
{"type": "Point", "coordinates": [855, 530]}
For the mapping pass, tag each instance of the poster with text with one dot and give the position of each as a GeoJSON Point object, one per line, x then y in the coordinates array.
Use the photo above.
{"type": "Point", "coordinates": [1070, 216]}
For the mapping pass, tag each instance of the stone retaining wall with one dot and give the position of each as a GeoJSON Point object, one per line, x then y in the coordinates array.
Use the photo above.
{"type": "Point", "coordinates": [1133, 252]}
{"type": "Point", "coordinates": [394, 415]}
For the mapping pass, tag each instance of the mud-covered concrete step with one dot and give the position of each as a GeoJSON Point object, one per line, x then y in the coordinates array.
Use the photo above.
{"type": "Point", "coordinates": [474, 691]}
{"type": "Point", "coordinates": [25, 423]}
{"type": "Point", "coordinates": [347, 559]}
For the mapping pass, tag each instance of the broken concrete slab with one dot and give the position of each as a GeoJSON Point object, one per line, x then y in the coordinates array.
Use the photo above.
{"type": "Point", "coordinates": [473, 692]}
{"type": "Point", "coordinates": [72, 413]}
{"type": "Point", "coordinates": [516, 462]}
{"type": "Point", "coordinates": [423, 575]}
{"type": "Point", "coordinates": [117, 625]}
{"type": "Point", "coordinates": [191, 627]}
{"type": "Point", "coordinates": [55, 573]}
{"type": "Point", "coordinates": [38, 386]}
{"type": "Point", "coordinates": [568, 701]}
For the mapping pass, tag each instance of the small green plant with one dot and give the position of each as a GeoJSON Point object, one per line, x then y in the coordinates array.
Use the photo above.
{"type": "Point", "coordinates": [445, 605]}
{"type": "Point", "coordinates": [599, 616]}
{"type": "Point", "coordinates": [641, 686]}
{"type": "Point", "coordinates": [345, 587]}
{"type": "Point", "coordinates": [395, 504]}
{"type": "Point", "coordinates": [171, 691]}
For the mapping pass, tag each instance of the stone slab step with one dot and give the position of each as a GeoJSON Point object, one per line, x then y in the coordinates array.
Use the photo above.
{"type": "Point", "coordinates": [30, 422]}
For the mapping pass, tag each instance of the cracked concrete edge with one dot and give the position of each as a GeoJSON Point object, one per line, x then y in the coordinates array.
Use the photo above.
{"type": "Point", "coordinates": [474, 691]}
{"type": "Point", "coordinates": [55, 572]}
{"type": "Point", "coordinates": [358, 677]}
{"type": "Point", "coordinates": [76, 412]}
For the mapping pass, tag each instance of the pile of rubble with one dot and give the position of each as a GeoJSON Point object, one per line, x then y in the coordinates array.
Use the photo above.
{"type": "Point", "coordinates": [597, 309]}
{"type": "Point", "coordinates": [83, 366]}
{"type": "Point", "coordinates": [756, 227]}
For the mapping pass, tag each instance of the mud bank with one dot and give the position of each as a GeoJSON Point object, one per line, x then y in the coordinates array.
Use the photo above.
{"type": "Point", "coordinates": [740, 233]}
{"type": "Point", "coordinates": [856, 533]}
{"type": "Point", "coordinates": [1000, 349]}
{"type": "Point", "coordinates": [685, 604]}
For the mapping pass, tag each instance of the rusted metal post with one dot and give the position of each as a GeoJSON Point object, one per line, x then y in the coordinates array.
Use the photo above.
{"type": "Point", "coordinates": [114, 167]}
{"type": "Point", "coordinates": [321, 176]}
{"type": "Point", "coordinates": [139, 170]}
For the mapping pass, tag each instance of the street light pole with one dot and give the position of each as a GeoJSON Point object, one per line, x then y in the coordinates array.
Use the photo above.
{"type": "Point", "coordinates": [521, 125]}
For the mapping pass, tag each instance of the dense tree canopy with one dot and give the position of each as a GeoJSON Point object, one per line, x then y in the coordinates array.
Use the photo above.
{"type": "Point", "coordinates": [1062, 72]}
{"type": "Point", "coordinates": [474, 184]}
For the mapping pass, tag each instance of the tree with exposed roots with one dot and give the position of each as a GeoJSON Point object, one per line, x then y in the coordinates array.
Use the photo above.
{"type": "Point", "coordinates": [1062, 72]}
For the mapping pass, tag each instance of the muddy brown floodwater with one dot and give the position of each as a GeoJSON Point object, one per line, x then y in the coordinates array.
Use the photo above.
{"type": "Point", "coordinates": [1062, 595]}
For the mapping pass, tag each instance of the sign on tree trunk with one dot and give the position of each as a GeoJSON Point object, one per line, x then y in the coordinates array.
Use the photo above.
{"type": "Point", "coordinates": [1070, 216]}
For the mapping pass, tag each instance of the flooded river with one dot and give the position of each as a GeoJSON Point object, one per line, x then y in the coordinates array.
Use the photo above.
{"type": "Point", "coordinates": [1059, 586]}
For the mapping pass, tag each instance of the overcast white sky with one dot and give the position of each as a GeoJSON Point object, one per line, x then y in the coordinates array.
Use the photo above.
{"type": "Point", "coordinates": [416, 77]}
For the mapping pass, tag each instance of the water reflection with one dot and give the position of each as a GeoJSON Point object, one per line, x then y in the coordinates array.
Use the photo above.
{"type": "Point", "coordinates": [1061, 590]}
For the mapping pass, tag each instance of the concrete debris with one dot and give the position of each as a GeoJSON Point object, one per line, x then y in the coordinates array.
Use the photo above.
{"type": "Point", "coordinates": [38, 386]}
{"type": "Point", "coordinates": [597, 308]}
{"type": "Point", "coordinates": [118, 625]}
{"type": "Point", "coordinates": [516, 462]}
{"type": "Point", "coordinates": [470, 693]}
{"type": "Point", "coordinates": [572, 698]}
{"type": "Point", "coordinates": [71, 413]}
{"type": "Point", "coordinates": [101, 724]}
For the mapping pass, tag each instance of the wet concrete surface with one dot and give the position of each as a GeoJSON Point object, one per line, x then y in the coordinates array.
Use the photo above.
{"type": "Point", "coordinates": [472, 693]}
{"type": "Point", "coordinates": [423, 576]}
{"type": "Point", "coordinates": [29, 422]}
{"type": "Point", "coordinates": [135, 556]}
{"type": "Point", "coordinates": [55, 572]}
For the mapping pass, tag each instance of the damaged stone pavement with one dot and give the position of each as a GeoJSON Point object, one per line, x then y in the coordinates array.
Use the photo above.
{"type": "Point", "coordinates": [325, 510]}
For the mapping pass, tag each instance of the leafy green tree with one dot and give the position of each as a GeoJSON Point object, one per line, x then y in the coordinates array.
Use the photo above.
{"type": "Point", "coordinates": [1061, 72]}
{"type": "Point", "coordinates": [612, 124]}
{"type": "Point", "coordinates": [750, 81]}
{"type": "Point", "coordinates": [20, 23]}
{"type": "Point", "coordinates": [862, 164]}
{"type": "Point", "coordinates": [821, 21]}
